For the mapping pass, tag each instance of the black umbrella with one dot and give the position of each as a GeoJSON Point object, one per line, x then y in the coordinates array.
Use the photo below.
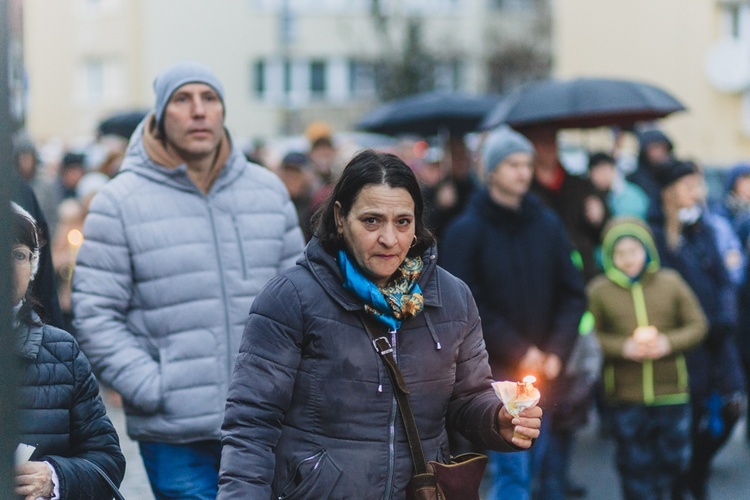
{"type": "Point", "coordinates": [429, 114]}
{"type": "Point", "coordinates": [582, 103]}
{"type": "Point", "coordinates": [122, 124]}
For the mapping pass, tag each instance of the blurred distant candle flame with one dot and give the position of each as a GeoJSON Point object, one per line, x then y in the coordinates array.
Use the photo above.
{"type": "Point", "coordinates": [75, 238]}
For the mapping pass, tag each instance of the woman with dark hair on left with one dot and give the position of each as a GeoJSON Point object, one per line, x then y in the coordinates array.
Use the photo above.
{"type": "Point", "coordinates": [61, 415]}
{"type": "Point", "coordinates": [311, 412]}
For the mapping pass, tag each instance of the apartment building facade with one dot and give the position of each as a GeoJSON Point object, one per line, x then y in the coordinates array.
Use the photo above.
{"type": "Point", "coordinates": [284, 63]}
{"type": "Point", "coordinates": [699, 50]}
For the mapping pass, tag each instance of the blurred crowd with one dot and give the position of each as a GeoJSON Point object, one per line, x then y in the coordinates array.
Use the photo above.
{"type": "Point", "coordinates": [705, 239]}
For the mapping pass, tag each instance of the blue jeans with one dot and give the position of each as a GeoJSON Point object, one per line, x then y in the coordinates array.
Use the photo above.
{"type": "Point", "coordinates": [551, 470]}
{"type": "Point", "coordinates": [185, 471]}
{"type": "Point", "coordinates": [512, 472]}
{"type": "Point", "coordinates": [653, 448]}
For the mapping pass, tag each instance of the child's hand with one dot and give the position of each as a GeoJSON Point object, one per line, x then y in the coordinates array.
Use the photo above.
{"type": "Point", "coordinates": [645, 334]}
{"type": "Point", "coordinates": [633, 350]}
{"type": "Point", "coordinates": [658, 347]}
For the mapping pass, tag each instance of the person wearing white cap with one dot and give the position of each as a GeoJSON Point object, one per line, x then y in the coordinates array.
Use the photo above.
{"type": "Point", "coordinates": [176, 248]}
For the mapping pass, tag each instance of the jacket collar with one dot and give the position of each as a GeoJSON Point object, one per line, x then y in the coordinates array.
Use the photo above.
{"type": "Point", "coordinates": [324, 268]}
{"type": "Point", "coordinates": [499, 214]}
{"type": "Point", "coordinates": [138, 161]}
{"type": "Point", "coordinates": [28, 339]}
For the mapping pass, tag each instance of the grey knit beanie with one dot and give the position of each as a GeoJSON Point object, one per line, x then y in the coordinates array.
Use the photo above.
{"type": "Point", "coordinates": [503, 142]}
{"type": "Point", "coordinates": [176, 76]}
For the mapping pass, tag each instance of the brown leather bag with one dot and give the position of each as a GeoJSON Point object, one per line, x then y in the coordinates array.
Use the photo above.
{"type": "Point", "coordinates": [458, 480]}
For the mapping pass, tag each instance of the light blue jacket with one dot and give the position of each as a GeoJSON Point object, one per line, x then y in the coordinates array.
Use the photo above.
{"type": "Point", "coordinates": [164, 282]}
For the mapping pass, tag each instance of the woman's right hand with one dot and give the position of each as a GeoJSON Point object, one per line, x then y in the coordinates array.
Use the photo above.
{"type": "Point", "coordinates": [34, 480]}
{"type": "Point", "coordinates": [522, 430]}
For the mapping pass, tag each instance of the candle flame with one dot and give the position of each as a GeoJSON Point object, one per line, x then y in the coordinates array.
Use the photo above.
{"type": "Point", "coordinates": [529, 379]}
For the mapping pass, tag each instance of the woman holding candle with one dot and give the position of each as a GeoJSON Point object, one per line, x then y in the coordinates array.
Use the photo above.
{"type": "Point", "coordinates": [646, 318]}
{"type": "Point", "coordinates": [310, 407]}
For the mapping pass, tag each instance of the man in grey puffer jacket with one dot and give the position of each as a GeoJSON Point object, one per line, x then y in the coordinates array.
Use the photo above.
{"type": "Point", "coordinates": [176, 248]}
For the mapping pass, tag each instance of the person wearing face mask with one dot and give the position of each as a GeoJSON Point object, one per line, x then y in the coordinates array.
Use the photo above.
{"type": "Point", "coordinates": [687, 243]}
{"type": "Point", "coordinates": [62, 419]}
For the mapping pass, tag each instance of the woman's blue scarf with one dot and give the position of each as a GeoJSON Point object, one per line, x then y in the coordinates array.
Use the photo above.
{"type": "Point", "coordinates": [400, 299]}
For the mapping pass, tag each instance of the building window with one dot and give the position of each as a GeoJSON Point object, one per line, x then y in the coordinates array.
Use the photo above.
{"type": "Point", "coordinates": [317, 78]}
{"type": "Point", "coordinates": [735, 23]}
{"type": "Point", "coordinates": [94, 81]}
{"type": "Point", "coordinates": [287, 76]}
{"type": "Point", "coordinates": [513, 5]}
{"type": "Point", "coordinates": [361, 79]}
{"type": "Point", "coordinates": [448, 75]}
{"type": "Point", "coordinates": [259, 78]}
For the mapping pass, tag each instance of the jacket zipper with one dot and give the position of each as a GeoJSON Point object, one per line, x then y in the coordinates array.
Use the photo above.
{"type": "Point", "coordinates": [392, 428]}
{"type": "Point", "coordinates": [227, 324]}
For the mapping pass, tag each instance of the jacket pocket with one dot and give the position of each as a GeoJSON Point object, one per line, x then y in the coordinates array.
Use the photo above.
{"type": "Point", "coordinates": [241, 244]}
{"type": "Point", "coordinates": [313, 478]}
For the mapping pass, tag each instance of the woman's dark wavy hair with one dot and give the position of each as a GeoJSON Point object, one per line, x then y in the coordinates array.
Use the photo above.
{"type": "Point", "coordinates": [26, 233]}
{"type": "Point", "coordinates": [369, 168]}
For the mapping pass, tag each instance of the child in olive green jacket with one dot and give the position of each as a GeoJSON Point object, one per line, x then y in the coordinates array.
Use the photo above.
{"type": "Point", "coordinates": [645, 319]}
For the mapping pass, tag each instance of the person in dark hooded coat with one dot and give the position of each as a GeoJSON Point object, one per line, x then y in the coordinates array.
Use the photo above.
{"type": "Point", "coordinates": [515, 255]}
{"type": "Point", "coordinates": [656, 151]}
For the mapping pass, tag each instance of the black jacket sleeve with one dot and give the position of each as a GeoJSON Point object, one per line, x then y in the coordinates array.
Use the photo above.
{"type": "Point", "coordinates": [93, 438]}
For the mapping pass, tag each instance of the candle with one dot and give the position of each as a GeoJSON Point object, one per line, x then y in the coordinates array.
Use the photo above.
{"type": "Point", "coordinates": [517, 396]}
{"type": "Point", "coordinates": [525, 386]}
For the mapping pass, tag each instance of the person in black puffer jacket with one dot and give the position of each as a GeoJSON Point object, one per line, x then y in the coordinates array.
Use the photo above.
{"type": "Point", "coordinates": [60, 412]}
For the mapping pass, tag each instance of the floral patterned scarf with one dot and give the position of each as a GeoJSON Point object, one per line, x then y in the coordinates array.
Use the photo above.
{"type": "Point", "coordinates": [399, 299]}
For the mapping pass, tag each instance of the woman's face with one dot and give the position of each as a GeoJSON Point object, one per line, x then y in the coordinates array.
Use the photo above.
{"type": "Point", "coordinates": [379, 230]}
{"type": "Point", "coordinates": [21, 271]}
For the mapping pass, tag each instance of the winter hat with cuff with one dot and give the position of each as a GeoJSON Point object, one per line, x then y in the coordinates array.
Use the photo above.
{"type": "Point", "coordinates": [674, 171]}
{"type": "Point", "coordinates": [502, 143]}
{"type": "Point", "coordinates": [177, 75]}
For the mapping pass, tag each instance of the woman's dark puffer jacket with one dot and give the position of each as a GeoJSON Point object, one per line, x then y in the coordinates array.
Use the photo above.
{"type": "Point", "coordinates": [311, 411]}
{"type": "Point", "coordinates": [62, 414]}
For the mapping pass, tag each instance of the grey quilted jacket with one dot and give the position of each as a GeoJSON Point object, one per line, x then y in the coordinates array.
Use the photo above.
{"type": "Point", "coordinates": [311, 411]}
{"type": "Point", "coordinates": [164, 282]}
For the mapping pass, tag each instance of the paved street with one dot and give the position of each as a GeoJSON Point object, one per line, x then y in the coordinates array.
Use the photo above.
{"type": "Point", "coordinates": [592, 466]}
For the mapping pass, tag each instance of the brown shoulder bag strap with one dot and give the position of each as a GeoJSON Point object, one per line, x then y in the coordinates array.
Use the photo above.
{"type": "Point", "coordinates": [383, 347]}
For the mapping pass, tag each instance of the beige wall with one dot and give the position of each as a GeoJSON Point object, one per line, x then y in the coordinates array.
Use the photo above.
{"type": "Point", "coordinates": [139, 38]}
{"type": "Point", "coordinates": [63, 36]}
{"type": "Point", "coordinates": [664, 42]}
